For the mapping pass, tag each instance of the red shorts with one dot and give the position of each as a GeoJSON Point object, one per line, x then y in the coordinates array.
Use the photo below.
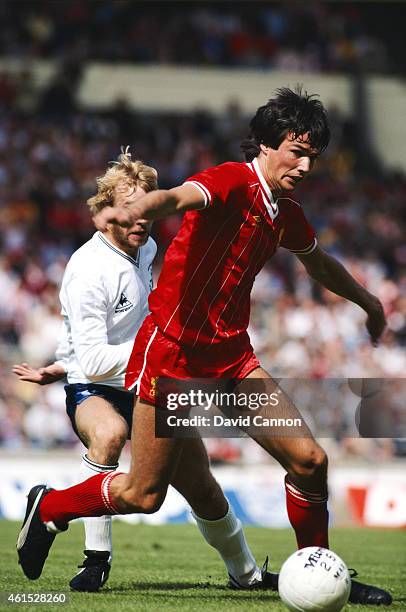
{"type": "Point", "coordinates": [155, 355]}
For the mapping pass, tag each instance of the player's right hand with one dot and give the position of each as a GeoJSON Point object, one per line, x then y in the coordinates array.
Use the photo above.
{"type": "Point", "coordinates": [113, 214]}
{"type": "Point", "coordinates": [35, 375]}
{"type": "Point", "coordinates": [376, 321]}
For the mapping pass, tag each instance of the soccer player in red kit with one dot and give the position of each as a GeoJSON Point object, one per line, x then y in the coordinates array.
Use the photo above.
{"type": "Point", "coordinates": [236, 216]}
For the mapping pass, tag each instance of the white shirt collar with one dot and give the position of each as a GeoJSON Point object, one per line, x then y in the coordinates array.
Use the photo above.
{"type": "Point", "coordinates": [115, 248]}
{"type": "Point", "coordinates": [262, 180]}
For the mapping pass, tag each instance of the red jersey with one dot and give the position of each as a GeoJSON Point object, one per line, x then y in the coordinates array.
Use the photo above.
{"type": "Point", "coordinates": [203, 292]}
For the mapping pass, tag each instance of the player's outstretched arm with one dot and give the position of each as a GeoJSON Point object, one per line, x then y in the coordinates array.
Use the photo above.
{"type": "Point", "coordinates": [154, 205]}
{"type": "Point", "coordinates": [41, 376]}
{"type": "Point", "coordinates": [333, 276]}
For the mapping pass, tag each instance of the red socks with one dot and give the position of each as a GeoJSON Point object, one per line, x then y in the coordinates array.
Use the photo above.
{"type": "Point", "coordinates": [308, 516]}
{"type": "Point", "coordinates": [88, 498]}
{"type": "Point", "coordinates": [307, 511]}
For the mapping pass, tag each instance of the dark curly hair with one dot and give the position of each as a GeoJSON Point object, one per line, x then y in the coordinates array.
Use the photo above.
{"type": "Point", "coordinates": [292, 111]}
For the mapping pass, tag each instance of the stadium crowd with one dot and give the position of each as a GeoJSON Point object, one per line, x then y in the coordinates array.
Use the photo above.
{"type": "Point", "coordinates": [49, 164]}
{"type": "Point", "coordinates": [308, 36]}
{"type": "Point", "coordinates": [48, 170]}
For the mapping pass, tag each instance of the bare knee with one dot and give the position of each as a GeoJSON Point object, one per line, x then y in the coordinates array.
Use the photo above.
{"type": "Point", "coordinates": [106, 443]}
{"type": "Point", "coordinates": [312, 463]}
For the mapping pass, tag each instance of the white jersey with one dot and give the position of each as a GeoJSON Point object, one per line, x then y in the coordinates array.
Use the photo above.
{"type": "Point", "coordinates": [104, 297]}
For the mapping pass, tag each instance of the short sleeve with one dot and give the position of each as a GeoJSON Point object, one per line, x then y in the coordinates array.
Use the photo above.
{"type": "Point", "coordinates": [217, 183]}
{"type": "Point", "coordinates": [298, 235]}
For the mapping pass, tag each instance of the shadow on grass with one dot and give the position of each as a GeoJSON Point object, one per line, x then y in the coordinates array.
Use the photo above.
{"type": "Point", "coordinates": [217, 591]}
{"type": "Point", "coordinates": [168, 586]}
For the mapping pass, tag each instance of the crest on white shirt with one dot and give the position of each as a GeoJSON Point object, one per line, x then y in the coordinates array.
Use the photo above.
{"type": "Point", "coordinates": [124, 304]}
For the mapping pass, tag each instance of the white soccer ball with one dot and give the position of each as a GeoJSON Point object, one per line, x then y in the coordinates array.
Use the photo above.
{"type": "Point", "coordinates": [314, 579]}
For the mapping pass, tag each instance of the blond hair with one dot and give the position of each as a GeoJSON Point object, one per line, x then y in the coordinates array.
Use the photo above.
{"type": "Point", "coordinates": [125, 172]}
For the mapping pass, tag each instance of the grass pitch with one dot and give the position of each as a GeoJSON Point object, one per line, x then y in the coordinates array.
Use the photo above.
{"type": "Point", "coordinates": [170, 567]}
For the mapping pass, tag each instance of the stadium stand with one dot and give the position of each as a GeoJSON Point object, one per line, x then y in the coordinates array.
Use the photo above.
{"type": "Point", "coordinates": [320, 37]}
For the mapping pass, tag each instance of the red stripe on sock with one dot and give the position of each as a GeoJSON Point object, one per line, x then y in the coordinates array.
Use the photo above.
{"type": "Point", "coordinates": [88, 498]}
{"type": "Point", "coordinates": [308, 516]}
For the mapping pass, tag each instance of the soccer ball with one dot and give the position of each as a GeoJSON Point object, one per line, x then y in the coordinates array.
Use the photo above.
{"type": "Point", "coordinates": [314, 579]}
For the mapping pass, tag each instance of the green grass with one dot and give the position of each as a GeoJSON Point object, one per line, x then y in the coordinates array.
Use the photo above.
{"type": "Point", "coordinates": [170, 567]}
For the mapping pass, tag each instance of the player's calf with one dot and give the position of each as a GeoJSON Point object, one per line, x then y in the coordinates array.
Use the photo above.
{"type": "Point", "coordinates": [204, 495]}
{"type": "Point", "coordinates": [138, 498]}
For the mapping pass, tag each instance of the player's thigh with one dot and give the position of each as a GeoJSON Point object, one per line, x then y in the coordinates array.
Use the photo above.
{"type": "Point", "coordinates": [99, 424]}
{"type": "Point", "coordinates": [153, 460]}
{"type": "Point", "coordinates": [299, 452]}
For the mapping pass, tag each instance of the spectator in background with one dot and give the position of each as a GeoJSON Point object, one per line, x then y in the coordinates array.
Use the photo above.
{"type": "Point", "coordinates": [315, 37]}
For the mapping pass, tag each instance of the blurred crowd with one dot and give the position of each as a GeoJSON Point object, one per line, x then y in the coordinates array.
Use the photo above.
{"type": "Point", "coordinates": [308, 36]}
{"type": "Point", "coordinates": [48, 170]}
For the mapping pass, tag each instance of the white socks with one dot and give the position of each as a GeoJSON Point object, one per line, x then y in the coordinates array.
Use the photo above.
{"type": "Point", "coordinates": [97, 529]}
{"type": "Point", "coordinates": [227, 537]}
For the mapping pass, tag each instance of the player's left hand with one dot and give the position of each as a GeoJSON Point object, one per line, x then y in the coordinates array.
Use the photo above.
{"type": "Point", "coordinates": [376, 321]}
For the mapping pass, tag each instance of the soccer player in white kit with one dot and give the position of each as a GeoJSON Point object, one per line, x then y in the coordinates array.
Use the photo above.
{"type": "Point", "coordinates": [104, 302]}
{"type": "Point", "coordinates": [104, 298]}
